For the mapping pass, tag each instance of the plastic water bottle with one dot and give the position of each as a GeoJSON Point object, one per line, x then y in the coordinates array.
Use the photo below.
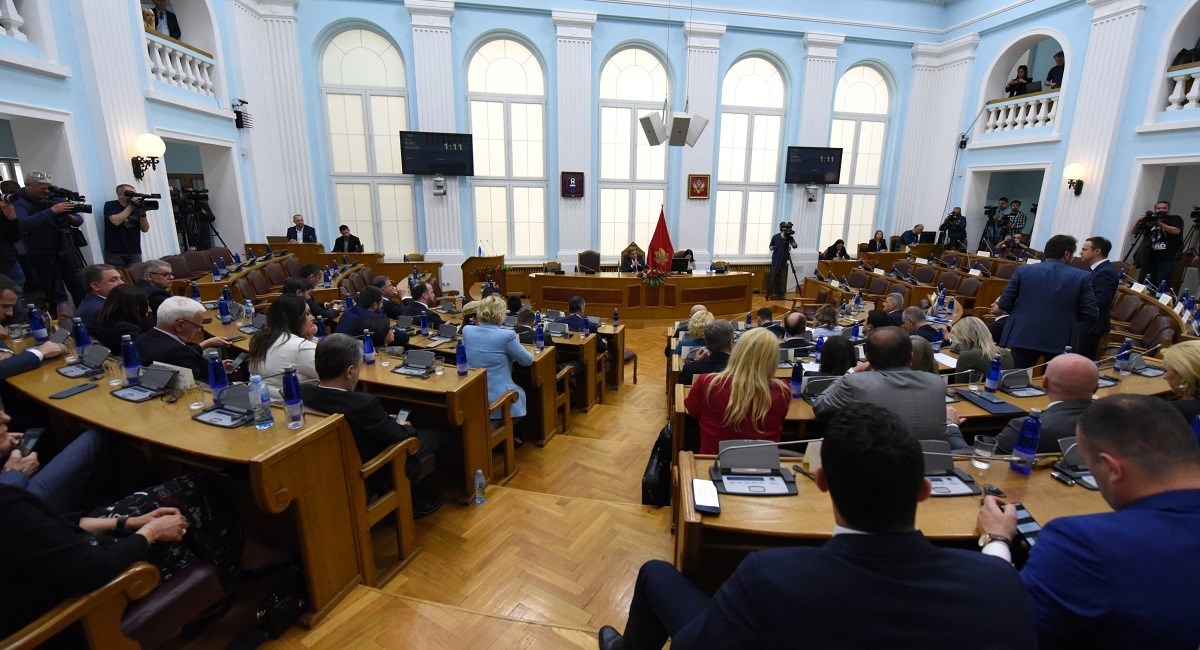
{"type": "Point", "coordinates": [195, 291]}
{"type": "Point", "coordinates": [347, 303]}
{"type": "Point", "coordinates": [992, 383]}
{"type": "Point", "coordinates": [216, 272]}
{"type": "Point", "coordinates": [222, 267]}
{"type": "Point", "coordinates": [941, 302]}
{"type": "Point", "coordinates": [797, 379]}
{"type": "Point", "coordinates": [1121, 278]}
{"type": "Point", "coordinates": [293, 405]}
{"type": "Point", "coordinates": [950, 305]}
{"type": "Point", "coordinates": [249, 312]}
{"type": "Point", "coordinates": [480, 487]}
{"type": "Point", "coordinates": [328, 279]}
{"type": "Point", "coordinates": [260, 403]}
{"type": "Point", "coordinates": [479, 251]}
{"type": "Point", "coordinates": [616, 319]}
{"type": "Point", "coordinates": [321, 331]}
{"type": "Point", "coordinates": [460, 358]}
{"type": "Point", "coordinates": [424, 324]}
{"type": "Point", "coordinates": [1027, 443]}
{"type": "Point", "coordinates": [817, 349]}
{"type": "Point", "coordinates": [844, 308]}
{"type": "Point", "coordinates": [237, 259]}
{"type": "Point", "coordinates": [270, 252]}
{"type": "Point", "coordinates": [415, 279]}
{"type": "Point", "coordinates": [368, 348]}
{"type": "Point", "coordinates": [1124, 363]}
{"type": "Point", "coordinates": [83, 340]}
{"type": "Point", "coordinates": [345, 262]}
{"type": "Point", "coordinates": [217, 379]}
{"type": "Point", "coordinates": [537, 318]}
{"type": "Point", "coordinates": [749, 322]}
{"type": "Point", "coordinates": [1185, 296]}
{"type": "Point", "coordinates": [223, 311]}
{"type": "Point", "coordinates": [1162, 288]}
{"type": "Point", "coordinates": [226, 294]}
{"type": "Point", "coordinates": [250, 254]}
{"type": "Point", "coordinates": [711, 268]}
{"type": "Point", "coordinates": [37, 325]}
{"type": "Point", "coordinates": [130, 359]}
{"type": "Point", "coordinates": [856, 331]}
{"type": "Point", "coordinates": [937, 341]}
{"type": "Point", "coordinates": [539, 338]}
{"type": "Point", "coordinates": [858, 302]}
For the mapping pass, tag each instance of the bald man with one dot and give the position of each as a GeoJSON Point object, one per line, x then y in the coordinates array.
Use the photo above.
{"type": "Point", "coordinates": [1069, 382]}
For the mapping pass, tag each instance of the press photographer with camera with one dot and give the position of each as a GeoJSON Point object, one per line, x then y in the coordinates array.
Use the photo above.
{"type": "Point", "coordinates": [955, 227]}
{"type": "Point", "coordinates": [125, 220]}
{"type": "Point", "coordinates": [995, 229]}
{"type": "Point", "coordinates": [193, 218]}
{"type": "Point", "coordinates": [1164, 237]}
{"type": "Point", "coordinates": [10, 233]}
{"type": "Point", "coordinates": [781, 255]}
{"type": "Point", "coordinates": [49, 219]}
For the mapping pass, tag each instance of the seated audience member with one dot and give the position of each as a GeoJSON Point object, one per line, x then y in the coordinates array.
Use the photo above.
{"type": "Point", "coordinates": [155, 281]}
{"type": "Point", "coordinates": [718, 343]}
{"type": "Point", "coordinates": [315, 276]}
{"type": "Point", "coordinates": [1122, 579]}
{"type": "Point", "coordinates": [976, 349]}
{"type": "Point", "coordinates": [365, 307]}
{"type": "Point", "coordinates": [794, 335]}
{"type": "Point", "coordinates": [170, 340]}
{"type": "Point", "coordinates": [289, 338]}
{"type": "Point", "coordinates": [922, 355]}
{"type": "Point", "coordinates": [1016, 85]}
{"type": "Point", "coordinates": [1182, 365]}
{"type": "Point", "coordinates": [1069, 382]}
{"type": "Point", "coordinates": [914, 322]}
{"type": "Point", "coordinates": [391, 308]}
{"type": "Point", "coordinates": [347, 243]}
{"type": "Point", "coordinates": [494, 349]}
{"type": "Point", "coordinates": [743, 401]}
{"type": "Point", "coordinates": [892, 305]}
{"type": "Point", "coordinates": [423, 300]}
{"type": "Point", "coordinates": [524, 328]}
{"type": "Point", "coordinates": [15, 363]}
{"type": "Point", "coordinates": [837, 357]}
{"type": "Point", "coordinates": [695, 332]}
{"type": "Point", "coordinates": [910, 237]}
{"type": "Point", "coordinates": [383, 336]}
{"type": "Point", "coordinates": [877, 583]}
{"type": "Point", "coordinates": [996, 328]}
{"type": "Point", "coordinates": [878, 243]}
{"type": "Point", "coordinates": [125, 311]}
{"type": "Point", "coordinates": [99, 279]}
{"type": "Point", "coordinates": [825, 322]}
{"type": "Point", "coordinates": [876, 318]}
{"type": "Point", "coordinates": [682, 327]}
{"type": "Point", "coordinates": [514, 304]}
{"type": "Point", "coordinates": [836, 251]}
{"type": "Point", "coordinates": [919, 398]}
{"type": "Point", "coordinates": [66, 482]}
{"type": "Point", "coordinates": [633, 262]}
{"type": "Point", "coordinates": [765, 318]}
{"type": "Point", "coordinates": [576, 320]}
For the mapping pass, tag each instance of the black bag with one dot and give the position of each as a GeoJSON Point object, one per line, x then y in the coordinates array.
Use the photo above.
{"type": "Point", "coordinates": [77, 237]}
{"type": "Point", "coordinates": [283, 607]}
{"type": "Point", "coordinates": [656, 482]}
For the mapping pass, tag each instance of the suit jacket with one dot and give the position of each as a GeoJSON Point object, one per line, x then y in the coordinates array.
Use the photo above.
{"type": "Point", "coordinates": [715, 362]}
{"type": "Point", "coordinates": [348, 244]}
{"type": "Point", "coordinates": [1058, 422]}
{"type": "Point", "coordinates": [309, 236]}
{"type": "Point", "coordinates": [109, 335]}
{"type": "Point", "coordinates": [88, 309]}
{"type": "Point", "coordinates": [926, 332]}
{"type": "Point", "coordinates": [373, 429]}
{"type": "Point", "coordinates": [918, 398]}
{"type": "Point", "coordinates": [416, 308]}
{"type": "Point", "coordinates": [877, 247]}
{"type": "Point", "coordinates": [18, 363]}
{"type": "Point", "coordinates": [577, 323]}
{"type": "Point", "coordinates": [1123, 579]}
{"type": "Point", "coordinates": [172, 23]}
{"type": "Point", "coordinates": [156, 345]}
{"type": "Point", "coordinates": [897, 317]}
{"type": "Point", "coordinates": [353, 320]}
{"type": "Point", "coordinates": [1104, 286]}
{"type": "Point", "coordinates": [849, 591]}
{"type": "Point", "coordinates": [1044, 301]}
{"type": "Point", "coordinates": [635, 264]}
{"type": "Point", "coordinates": [155, 293]}
{"type": "Point", "coordinates": [494, 349]}
{"type": "Point", "coordinates": [527, 335]}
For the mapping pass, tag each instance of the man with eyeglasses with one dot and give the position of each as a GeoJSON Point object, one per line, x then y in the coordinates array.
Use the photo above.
{"type": "Point", "coordinates": [155, 282]}
{"type": "Point", "coordinates": [170, 340]}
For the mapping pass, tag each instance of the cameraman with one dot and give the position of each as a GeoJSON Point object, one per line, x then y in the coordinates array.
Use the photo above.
{"type": "Point", "coordinates": [1164, 233]}
{"type": "Point", "coordinates": [780, 254]}
{"type": "Point", "coordinates": [955, 227]}
{"type": "Point", "coordinates": [996, 228]}
{"type": "Point", "coordinates": [124, 222]}
{"type": "Point", "coordinates": [10, 233]}
{"type": "Point", "coordinates": [46, 219]}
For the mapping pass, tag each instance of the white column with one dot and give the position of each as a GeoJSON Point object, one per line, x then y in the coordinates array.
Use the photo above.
{"type": "Point", "coordinates": [276, 149]}
{"type": "Point", "coordinates": [1106, 71]}
{"type": "Point", "coordinates": [820, 66]}
{"type": "Point", "coordinates": [575, 110]}
{"type": "Point", "coordinates": [695, 216]}
{"type": "Point", "coordinates": [935, 114]}
{"type": "Point", "coordinates": [434, 93]}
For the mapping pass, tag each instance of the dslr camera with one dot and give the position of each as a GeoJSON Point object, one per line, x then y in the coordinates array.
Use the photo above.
{"type": "Point", "coordinates": [60, 194]}
{"type": "Point", "coordinates": [787, 230]}
{"type": "Point", "coordinates": [989, 211]}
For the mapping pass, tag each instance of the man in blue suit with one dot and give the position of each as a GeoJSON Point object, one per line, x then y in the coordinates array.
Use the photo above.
{"type": "Point", "coordinates": [577, 321]}
{"type": "Point", "coordinates": [300, 232]}
{"type": "Point", "coordinates": [1128, 578]}
{"type": "Point", "coordinates": [1094, 253]}
{"type": "Point", "coordinates": [876, 583]}
{"type": "Point", "coordinates": [1044, 301]}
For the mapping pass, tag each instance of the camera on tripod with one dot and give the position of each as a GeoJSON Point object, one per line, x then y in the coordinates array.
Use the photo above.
{"type": "Point", "coordinates": [1196, 214]}
{"type": "Point", "coordinates": [787, 231]}
{"type": "Point", "coordinates": [989, 211]}
{"type": "Point", "coordinates": [60, 194]}
{"type": "Point", "coordinates": [146, 202]}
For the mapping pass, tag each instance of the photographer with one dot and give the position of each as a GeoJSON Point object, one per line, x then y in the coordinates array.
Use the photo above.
{"type": "Point", "coordinates": [1163, 233]}
{"type": "Point", "coordinates": [996, 227]}
{"type": "Point", "coordinates": [780, 255]}
{"type": "Point", "coordinates": [124, 222]}
{"type": "Point", "coordinates": [48, 218]}
{"type": "Point", "coordinates": [955, 227]}
{"type": "Point", "coordinates": [193, 218]}
{"type": "Point", "coordinates": [10, 233]}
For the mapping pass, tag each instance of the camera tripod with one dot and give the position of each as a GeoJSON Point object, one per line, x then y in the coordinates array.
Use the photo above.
{"type": "Point", "coordinates": [781, 292]}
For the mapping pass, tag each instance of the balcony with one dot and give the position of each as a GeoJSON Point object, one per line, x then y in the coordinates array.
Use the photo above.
{"type": "Point", "coordinates": [11, 22]}
{"type": "Point", "coordinates": [1183, 81]}
{"type": "Point", "coordinates": [1021, 113]}
{"type": "Point", "coordinates": [180, 65]}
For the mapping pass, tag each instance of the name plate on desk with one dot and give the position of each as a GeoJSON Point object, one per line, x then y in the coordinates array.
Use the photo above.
{"type": "Point", "coordinates": [835, 284]}
{"type": "Point", "coordinates": [984, 253]}
{"type": "Point", "coordinates": [878, 271]}
{"type": "Point", "coordinates": [1137, 287]}
{"type": "Point", "coordinates": [1033, 260]}
{"type": "Point", "coordinates": [1179, 308]}
{"type": "Point", "coordinates": [1165, 300]}
{"type": "Point", "coordinates": [921, 260]}
{"type": "Point", "coordinates": [975, 272]}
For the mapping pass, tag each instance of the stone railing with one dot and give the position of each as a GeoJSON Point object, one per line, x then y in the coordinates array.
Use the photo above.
{"type": "Point", "coordinates": [180, 65]}
{"type": "Point", "coordinates": [11, 21]}
{"type": "Point", "coordinates": [1023, 112]}
{"type": "Point", "coordinates": [1184, 83]}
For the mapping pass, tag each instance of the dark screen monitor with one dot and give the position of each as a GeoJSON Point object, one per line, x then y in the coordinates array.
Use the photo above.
{"type": "Point", "coordinates": [928, 237]}
{"type": "Point", "coordinates": [424, 152]}
{"type": "Point", "coordinates": [679, 264]}
{"type": "Point", "coordinates": [813, 165]}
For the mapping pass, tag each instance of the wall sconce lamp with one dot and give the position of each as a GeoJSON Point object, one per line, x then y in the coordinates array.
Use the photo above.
{"type": "Point", "coordinates": [1074, 175]}
{"type": "Point", "coordinates": [149, 148]}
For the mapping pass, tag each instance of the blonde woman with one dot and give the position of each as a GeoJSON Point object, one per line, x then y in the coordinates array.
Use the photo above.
{"type": "Point", "coordinates": [922, 355]}
{"type": "Point", "coordinates": [1182, 363]}
{"type": "Point", "coordinates": [976, 347]}
{"type": "Point", "coordinates": [744, 401]}
{"type": "Point", "coordinates": [494, 349]}
{"type": "Point", "coordinates": [695, 330]}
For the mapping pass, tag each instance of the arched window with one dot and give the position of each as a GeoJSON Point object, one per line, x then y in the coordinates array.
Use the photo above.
{"type": "Point", "coordinates": [507, 94]}
{"type": "Point", "coordinates": [366, 107]}
{"type": "Point", "coordinates": [633, 174]}
{"type": "Point", "coordinates": [752, 98]}
{"type": "Point", "coordinates": [861, 106]}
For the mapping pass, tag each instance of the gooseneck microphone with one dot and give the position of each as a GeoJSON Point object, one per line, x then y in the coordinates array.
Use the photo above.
{"type": "Point", "coordinates": [753, 445]}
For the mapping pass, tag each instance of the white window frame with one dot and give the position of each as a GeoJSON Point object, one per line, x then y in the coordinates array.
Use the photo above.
{"type": "Point", "coordinates": [746, 187]}
{"type": "Point", "coordinates": [851, 189]}
{"type": "Point", "coordinates": [632, 184]}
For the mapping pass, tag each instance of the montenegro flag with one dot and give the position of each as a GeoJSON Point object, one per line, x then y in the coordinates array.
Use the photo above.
{"type": "Point", "coordinates": [660, 253]}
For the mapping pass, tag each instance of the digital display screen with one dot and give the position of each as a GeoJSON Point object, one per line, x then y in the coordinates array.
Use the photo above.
{"type": "Point", "coordinates": [424, 152]}
{"type": "Point", "coordinates": [805, 165]}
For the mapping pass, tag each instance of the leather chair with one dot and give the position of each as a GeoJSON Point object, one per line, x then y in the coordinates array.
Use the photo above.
{"type": "Point", "coordinates": [901, 288]}
{"type": "Point", "coordinates": [551, 267]}
{"type": "Point", "coordinates": [1154, 332]}
{"type": "Point", "coordinates": [275, 274]}
{"type": "Point", "coordinates": [949, 280]}
{"type": "Point", "coordinates": [876, 290]}
{"type": "Point", "coordinates": [589, 261]}
{"type": "Point", "coordinates": [1122, 267]}
{"type": "Point", "coordinates": [903, 266]}
{"type": "Point", "coordinates": [243, 290]}
{"type": "Point", "coordinates": [500, 433]}
{"type": "Point", "coordinates": [179, 266]}
{"type": "Point", "coordinates": [1164, 337]}
{"type": "Point", "coordinates": [356, 281]}
{"type": "Point", "coordinates": [894, 243]}
{"type": "Point", "coordinates": [136, 271]}
{"type": "Point", "coordinates": [416, 257]}
{"type": "Point", "coordinates": [952, 260]}
{"type": "Point", "coordinates": [1125, 308]}
{"type": "Point", "coordinates": [293, 266]}
{"type": "Point", "coordinates": [261, 286]}
{"type": "Point", "coordinates": [219, 252]}
{"type": "Point", "coordinates": [367, 274]}
{"type": "Point", "coordinates": [1140, 322]}
{"type": "Point", "coordinates": [1006, 270]}
{"type": "Point", "coordinates": [968, 289]}
{"type": "Point", "coordinates": [720, 265]}
{"type": "Point", "coordinates": [197, 262]}
{"type": "Point", "coordinates": [633, 246]}
{"type": "Point", "coordinates": [858, 279]}
{"type": "Point", "coordinates": [346, 288]}
{"type": "Point", "coordinates": [925, 274]}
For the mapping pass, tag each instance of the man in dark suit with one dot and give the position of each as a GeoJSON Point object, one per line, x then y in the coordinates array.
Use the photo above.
{"type": "Point", "coordinates": [366, 307]}
{"type": "Point", "coordinates": [794, 326]}
{"type": "Point", "coordinates": [1094, 253]}
{"type": "Point", "coordinates": [1127, 578]}
{"type": "Point", "coordinates": [155, 280]}
{"type": "Point", "coordinates": [300, 232]}
{"type": "Point", "coordinates": [170, 340]}
{"type": "Point", "coordinates": [1069, 382]}
{"type": "Point", "coordinates": [327, 310]}
{"type": "Point", "coordinates": [893, 305]}
{"type": "Point", "coordinates": [99, 279]}
{"type": "Point", "coordinates": [577, 321]}
{"type": "Point", "coordinates": [718, 344]}
{"type": "Point", "coordinates": [910, 237]}
{"type": "Point", "coordinates": [913, 321]}
{"type": "Point", "coordinates": [347, 243]}
{"type": "Point", "coordinates": [165, 21]}
{"type": "Point", "coordinates": [12, 363]}
{"type": "Point", "coordinates": [422, 302]}
{"type": "Point", "coordinates": [339, 360]}
{"type": "Point", "coordinates": [525, 329]}
{"type": "Point", "coordinates": [878, 582]}
{"type": "Point", "coordinates": [1044, 301]}
{"type": "Point", "coordinates": [764, 317]}
{"type": "Point", "coordinates": [391, 308]}
{"type": "Point", "coordinates": [633, 262]}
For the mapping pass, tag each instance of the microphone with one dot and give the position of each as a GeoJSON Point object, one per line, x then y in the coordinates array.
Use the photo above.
{"type": "Point", "coordinates": [752, 445]}
{"type": "Point", "coordinates": [938, 261]}
{"type": "Point", "coordinates": [845, 281]}
{"type": "Point", "coordinates": [1133, 356]}
{"type": "Point", "coordinates": [1004, 375]}
{"type": "Point", "coordinates": [980, 267]}
{"type": "Point", "coordinates": [869, 268]}
{"type": "Point", "coordinates": [913, 280]}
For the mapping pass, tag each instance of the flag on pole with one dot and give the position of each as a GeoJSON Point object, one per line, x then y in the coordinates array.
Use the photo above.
{"type": "Point", "coordinates": [661, 251]}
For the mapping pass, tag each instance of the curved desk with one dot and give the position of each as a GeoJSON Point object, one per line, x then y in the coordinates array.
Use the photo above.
{"type": "Point", "coordinates": [725, 293]}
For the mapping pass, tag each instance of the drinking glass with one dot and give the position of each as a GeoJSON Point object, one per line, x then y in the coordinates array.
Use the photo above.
{"type": "Point", "coordinates": [17, 332]}
{"type": "Point", "coordinates": [985, 448]}
{"type": "Point", "coordinates": [115, 372]}
{"type": "Point", "coordinates": [439, 365]}
{"type": "Point", "coordinates": [196, 396]}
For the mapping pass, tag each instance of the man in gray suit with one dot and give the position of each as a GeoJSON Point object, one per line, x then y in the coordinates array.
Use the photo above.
{"type": "Point", "coordinates": [918, 398]}
{"type": "Point", "coordinates": [1069, 382]}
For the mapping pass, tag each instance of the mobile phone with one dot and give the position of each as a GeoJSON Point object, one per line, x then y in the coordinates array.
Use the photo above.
{"type": "Point", "coordinates": [237, 361]}
{"type": "Point", "coordinates": [206, 321]}
{"type": "Point", "coordinates": [74, 390]}
{"type": "Point", "coordinates": [1062, 478]}
{"type": "Point", "coordinates": [401, 415]}
{"type": "Point", "coordinates": [1027, 527]}
{"type": "Point", "coordinates": [29, 440]}
{"type": "Point", "coordinates": [60, 335]}
{"type": "Point", "coordinates": [235, 339]}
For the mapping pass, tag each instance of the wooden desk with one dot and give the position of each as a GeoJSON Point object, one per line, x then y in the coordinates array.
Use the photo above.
{"type": "Point", "coordinates": [615, 339]}
{"type": "Point", "coordinates": [708, 548]}
{"type": "Point", "coordinates": [540, 381]}
{"type": "Point", "coordinates": [210, 290]}
{"type": "Point", "coordinates": [884, 260]}
{"type": "Point", "coordinates": [303, 470]}
{"type": "Point", "coordinates": [724, 293]}
{"type": "Point", "coordinates": [305, 253]}
{"type": "Point", "coordinates": [583, 349]}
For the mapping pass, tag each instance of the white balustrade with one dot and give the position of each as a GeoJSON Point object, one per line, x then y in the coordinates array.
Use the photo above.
{"type": "Point", "coordinates": [1184, 84]}
{"type": "Point", "coordinates": [11, 21]}
{"type": "Point", "coordinates": [1021, 113]}
{"type": "Point", "coordinates": [181, 66]}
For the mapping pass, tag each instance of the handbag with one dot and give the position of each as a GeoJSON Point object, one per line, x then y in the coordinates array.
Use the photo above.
{"type": "Point", "coordinates": [77, 237]}
{"type": "Point", "coordinates": [656, 481]}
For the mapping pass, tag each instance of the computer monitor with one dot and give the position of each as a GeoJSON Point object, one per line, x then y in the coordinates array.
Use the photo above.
{"type": "Point", "coordinates": [679, 265]}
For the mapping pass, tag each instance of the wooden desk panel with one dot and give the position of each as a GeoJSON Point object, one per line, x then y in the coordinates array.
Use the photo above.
{"type": "Point", "coordinates": [210, 290]}
{"type": "Point", "coordinates": [725, 293]}
{"type": "Point", "coordinates": [615, 339]}
{"type": "Point", "coordinates": [576, 347]}
{"type": "Point", "coordinates": [540, 381]}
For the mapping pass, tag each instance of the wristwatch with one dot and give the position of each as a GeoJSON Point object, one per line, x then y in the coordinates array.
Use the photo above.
{"type": "Point", "coordinates": [120, 524]}
{"type": "Point", "coordinates": [988, 538]}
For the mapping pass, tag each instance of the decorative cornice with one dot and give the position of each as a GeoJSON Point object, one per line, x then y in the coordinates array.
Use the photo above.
{"type": "Point", "coordinates": [574, 24]}
{"type": "Point", "coordinates": [703, 35]}
{"type": "Point", "coordinates": [430, 13]}
{"type": "Point", "coordinates": [1107, 9]}
{"type": "Point", "coordinates": [271, 8]}
{"type": "Point", "coordinates": [937, 55]}
{"type": "Point", "coordinates": [822, 45]}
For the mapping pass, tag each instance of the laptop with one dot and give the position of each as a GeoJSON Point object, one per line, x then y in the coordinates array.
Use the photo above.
{"type": "Point", "coordinates": [1033, 87]}
{"type": "Point", "coordinates": [404, 322]}
{"type": "Point", "coordinates": [256, 324]}
{"type": "Point", "coordinates": [417, 363]}
{"type": "Point", "coordinates": [90, 364]}
{"type": "Point", "coordinates": [445, 333]}
{"type": "Point", "coordinates": [553, 314]}
{"type": "Point", "coordinates": [594, 320]}
{"type": "Point", "coordinates": [557, 330]}
{"type": "Point", "coordinates": [154, 382]}
{"type": "Point", "coordinates": [1017, 383]}
{"type": "Point", "coordinates": [679, 265]}
{"type": "Point", "coordinates": [509, 322]}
